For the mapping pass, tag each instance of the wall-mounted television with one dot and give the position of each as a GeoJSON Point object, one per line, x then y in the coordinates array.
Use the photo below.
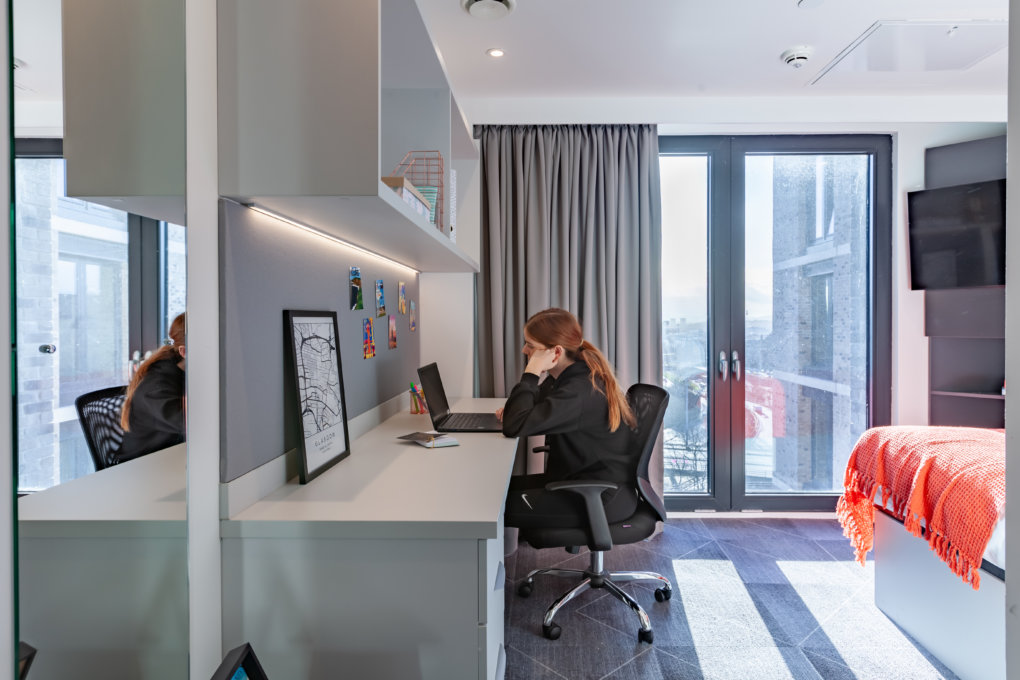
{"type": "Point", "coordinates": [957, 236]}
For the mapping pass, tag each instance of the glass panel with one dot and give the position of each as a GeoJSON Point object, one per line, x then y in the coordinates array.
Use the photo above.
{"type": "Point", "coordinates": [685, 322]}
{"type": "Point", "coordinates": [72, 311]}
{"type": "Point", "coordinates": [173, 283]}
{"type": "Point", "coordinates": [807, 222]}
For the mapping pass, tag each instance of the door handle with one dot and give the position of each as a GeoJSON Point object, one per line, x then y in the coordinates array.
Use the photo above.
{"type": "Point", "coordinates": [48, 349]}
{"type": "Point", "coordinates": [735, 365]}
{"type": "Point", "coordinates": [724, 366]}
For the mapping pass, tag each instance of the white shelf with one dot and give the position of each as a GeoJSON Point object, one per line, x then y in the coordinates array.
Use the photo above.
{"type": "Point", "coordinates": [383, 224]}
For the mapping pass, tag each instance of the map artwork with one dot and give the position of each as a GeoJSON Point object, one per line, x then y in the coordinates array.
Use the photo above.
{"type": "Point", "coordinates": [320, 390]}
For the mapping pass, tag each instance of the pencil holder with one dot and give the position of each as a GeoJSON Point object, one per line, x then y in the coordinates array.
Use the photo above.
{"type": "Point", "coordinates": [416, 405]}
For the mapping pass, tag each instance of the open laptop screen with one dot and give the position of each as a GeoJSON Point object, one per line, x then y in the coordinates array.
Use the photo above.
{"type": "Point", "coordinates": [435, 396]}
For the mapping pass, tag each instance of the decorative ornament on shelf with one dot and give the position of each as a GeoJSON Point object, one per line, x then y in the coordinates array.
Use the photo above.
{"type": "Point", "coordinates": [425, 171]}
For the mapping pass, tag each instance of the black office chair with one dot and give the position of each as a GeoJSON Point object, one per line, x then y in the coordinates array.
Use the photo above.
{"type": "Point", "coordinates": [99, 415]}
{"type": "Point", "coordinates": [649, 405]}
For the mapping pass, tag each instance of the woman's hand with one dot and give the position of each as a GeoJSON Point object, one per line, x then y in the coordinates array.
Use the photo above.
{"type": "Point", "coordinates": [542, 360]}
{"type": "Point", "coordinates": [499, 414]}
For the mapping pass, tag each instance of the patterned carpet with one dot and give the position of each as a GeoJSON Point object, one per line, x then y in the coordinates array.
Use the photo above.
{"type": "Point", "coordinates": [754, 599]}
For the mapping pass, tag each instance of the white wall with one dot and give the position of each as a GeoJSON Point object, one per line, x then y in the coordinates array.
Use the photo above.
{"type": "Point", "coordinates": [1013, 354]}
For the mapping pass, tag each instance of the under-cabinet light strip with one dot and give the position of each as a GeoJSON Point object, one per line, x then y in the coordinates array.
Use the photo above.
{"type": "Point", "coordinates": [327, 236]}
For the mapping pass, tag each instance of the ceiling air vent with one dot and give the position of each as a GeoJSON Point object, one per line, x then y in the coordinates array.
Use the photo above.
{"type": "Point", "coordinates": [489, 9]}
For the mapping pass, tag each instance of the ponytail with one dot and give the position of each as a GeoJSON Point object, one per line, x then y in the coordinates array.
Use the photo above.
{"type": "Point", "coordinates": [171, 351]}
{"type": "Point", "coordinates": [602, 372]}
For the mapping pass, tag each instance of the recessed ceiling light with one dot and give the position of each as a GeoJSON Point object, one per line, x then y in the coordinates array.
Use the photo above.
{"type": "Point", "coordinates": [495, 52]}
{"type": "Point", "coordinates": [809, 3]}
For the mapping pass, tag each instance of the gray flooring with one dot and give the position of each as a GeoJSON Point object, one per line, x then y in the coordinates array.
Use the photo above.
{"type": "Point", "coordinates": [757, 599]}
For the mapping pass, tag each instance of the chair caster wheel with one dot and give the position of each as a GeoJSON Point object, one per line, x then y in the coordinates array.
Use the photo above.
{"type": "Point", "coordinates": [645, 636]}
{"type": "Point", "coordinates": [524, 589]}
{"type": "Point", "coordinates": [661, 594]}
{"type": "Point", "coordinates": [552, 631]}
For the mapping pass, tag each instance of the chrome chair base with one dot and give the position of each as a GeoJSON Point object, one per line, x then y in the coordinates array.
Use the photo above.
{"type": "Point", "coordinates": [597, 577]}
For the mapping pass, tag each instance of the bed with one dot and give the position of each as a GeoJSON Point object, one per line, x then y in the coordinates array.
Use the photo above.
{"type": "Point", "coordinates": [930, 502]}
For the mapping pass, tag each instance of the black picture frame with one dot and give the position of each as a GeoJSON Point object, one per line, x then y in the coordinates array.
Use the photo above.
{"type": "Point", "coordinates": [26, 655]}
{"type": "Point", "coordinates": [316, 392]}
{"type": "Point", "coordinates": [237, 658]}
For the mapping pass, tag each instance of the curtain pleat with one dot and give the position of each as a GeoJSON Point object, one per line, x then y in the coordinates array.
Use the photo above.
{"type": "Point", "coordinates": [571, 218]}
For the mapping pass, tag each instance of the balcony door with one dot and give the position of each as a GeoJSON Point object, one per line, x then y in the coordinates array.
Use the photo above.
{"type": "Point", "coordinates": [776, 328]}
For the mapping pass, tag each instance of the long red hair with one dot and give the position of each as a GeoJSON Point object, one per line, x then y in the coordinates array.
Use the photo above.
{"type": "Point", "coordinates": [172, 351]}
{"type": "Point", "coordinates": [555, 326]}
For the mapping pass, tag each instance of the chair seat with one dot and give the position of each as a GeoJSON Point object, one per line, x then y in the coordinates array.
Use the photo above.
{"type": "Point", "coordinates": [637, 527]}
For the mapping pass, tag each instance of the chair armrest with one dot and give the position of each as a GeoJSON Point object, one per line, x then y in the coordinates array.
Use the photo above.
{"type": "Point", "coordinates": [592, 493]}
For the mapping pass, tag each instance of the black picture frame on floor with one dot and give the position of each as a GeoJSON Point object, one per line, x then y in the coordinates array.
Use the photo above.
{"type": "Point", "coordinates": [236, 659]}
{"type": "Point", "coordinates": [26, 655]}
{"type": "Point", "coordinates": [316, 393]}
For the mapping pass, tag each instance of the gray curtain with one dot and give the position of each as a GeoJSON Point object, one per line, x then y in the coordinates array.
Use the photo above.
{"type": "Point", "coordinates": [571, 218]}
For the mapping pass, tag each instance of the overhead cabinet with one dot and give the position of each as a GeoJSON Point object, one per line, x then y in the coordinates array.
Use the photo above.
{"type": "Point", "coordinates": [124, 119]}
{"type": "Point", "coordinates": [320, 100]}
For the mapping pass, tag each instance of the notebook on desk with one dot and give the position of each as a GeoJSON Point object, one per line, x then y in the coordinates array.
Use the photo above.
{"type": "Point", "coordinates": [439, 408]}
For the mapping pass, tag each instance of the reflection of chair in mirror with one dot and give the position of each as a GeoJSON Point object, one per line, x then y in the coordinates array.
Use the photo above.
{"type": "Point", "coordinates": [649, 405]}
{"type": "Point", "coordinates": [99, 415]}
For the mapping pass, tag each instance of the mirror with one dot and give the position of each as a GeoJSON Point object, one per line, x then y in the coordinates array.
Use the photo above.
{"type": "Point", "coordinates": [99, 256]}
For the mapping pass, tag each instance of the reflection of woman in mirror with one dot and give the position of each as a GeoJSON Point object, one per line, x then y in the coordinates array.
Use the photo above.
{"type": "Point", "coordinates": [153, 414]}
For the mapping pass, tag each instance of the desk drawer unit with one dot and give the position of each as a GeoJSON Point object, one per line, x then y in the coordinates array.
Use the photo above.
{"type": "Point", "coordinates": [491, 581]}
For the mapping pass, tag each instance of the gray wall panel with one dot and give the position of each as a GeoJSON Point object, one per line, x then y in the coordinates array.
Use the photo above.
{"type": "Point", "coordinates": [268, 266]}
{"type": "Point", "coordinates": [975, 161]}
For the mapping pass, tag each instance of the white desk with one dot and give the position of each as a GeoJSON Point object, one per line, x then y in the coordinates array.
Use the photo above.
{"type": "Point", "coordinates": [103, 572]}
{"type": "Point", "coordinates": [388, 565]}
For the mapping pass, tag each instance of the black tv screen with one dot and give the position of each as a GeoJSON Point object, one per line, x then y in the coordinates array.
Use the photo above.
{"type": "Point", "coordinates": [957, 236]}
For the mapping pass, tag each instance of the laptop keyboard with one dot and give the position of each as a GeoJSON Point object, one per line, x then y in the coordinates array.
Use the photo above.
{"type": "Point", "coordinates": [468, 420]}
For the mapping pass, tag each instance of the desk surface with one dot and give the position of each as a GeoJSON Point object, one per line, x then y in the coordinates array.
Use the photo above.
{"type": "Point", "coordinates": [143, 495]}
{"type": "Point", "coordinates": [389, 488]}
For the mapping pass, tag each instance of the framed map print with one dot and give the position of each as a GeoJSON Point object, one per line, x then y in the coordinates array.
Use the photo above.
{"type": "Point", "coordinates": [314, 354]}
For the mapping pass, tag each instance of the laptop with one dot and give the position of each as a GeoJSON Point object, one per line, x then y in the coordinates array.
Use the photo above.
{"type": "Point", "coordinates": [439, 407]}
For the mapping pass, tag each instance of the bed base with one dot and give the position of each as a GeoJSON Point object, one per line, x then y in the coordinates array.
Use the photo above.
{"type": "Point", "coordinates": [964, 628]}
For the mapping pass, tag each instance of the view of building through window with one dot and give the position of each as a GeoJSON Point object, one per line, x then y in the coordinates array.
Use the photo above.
{"type": "Point", "coordinates": [804, 369]}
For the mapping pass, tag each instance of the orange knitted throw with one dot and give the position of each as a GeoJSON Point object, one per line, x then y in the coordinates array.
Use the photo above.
{"type": "Point", "coordinates": [948, 483]}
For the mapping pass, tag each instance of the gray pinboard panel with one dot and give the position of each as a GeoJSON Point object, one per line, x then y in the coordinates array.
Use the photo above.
{"type": "Point", "coordinates": [267, 266]}
{"type": "Point", "coordinates": [979, 160]}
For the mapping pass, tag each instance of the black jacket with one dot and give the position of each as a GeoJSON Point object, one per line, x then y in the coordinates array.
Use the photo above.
{"type": "Point", "coordinates": [574, 416]}
{"type": "Point", "coordinates": [157, 411]}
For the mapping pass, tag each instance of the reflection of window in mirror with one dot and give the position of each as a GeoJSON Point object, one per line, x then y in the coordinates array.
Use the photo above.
{"type": "Point", "coordinates": [90, 280]}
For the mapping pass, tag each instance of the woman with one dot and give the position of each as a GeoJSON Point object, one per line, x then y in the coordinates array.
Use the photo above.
{"type": "Point", "coordinates": [153, 413]}
{"type": "Point", "coordinates": [585, 417]}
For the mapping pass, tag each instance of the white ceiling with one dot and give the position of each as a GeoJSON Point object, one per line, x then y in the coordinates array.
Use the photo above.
{"type": "Point", "coordinates": [683, 48]}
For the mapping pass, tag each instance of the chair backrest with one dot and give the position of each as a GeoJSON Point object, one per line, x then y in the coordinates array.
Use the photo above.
{"type": "Point", "coordinates": [648, 402]}
{"type": "Point", "coordinates": [99, 415]}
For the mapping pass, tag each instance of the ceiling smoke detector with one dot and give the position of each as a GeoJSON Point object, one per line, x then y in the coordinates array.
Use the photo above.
{"type": "Point", "coordinates": [797, 56]}
{"type": "Point", "coordinates": [489, 9]}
